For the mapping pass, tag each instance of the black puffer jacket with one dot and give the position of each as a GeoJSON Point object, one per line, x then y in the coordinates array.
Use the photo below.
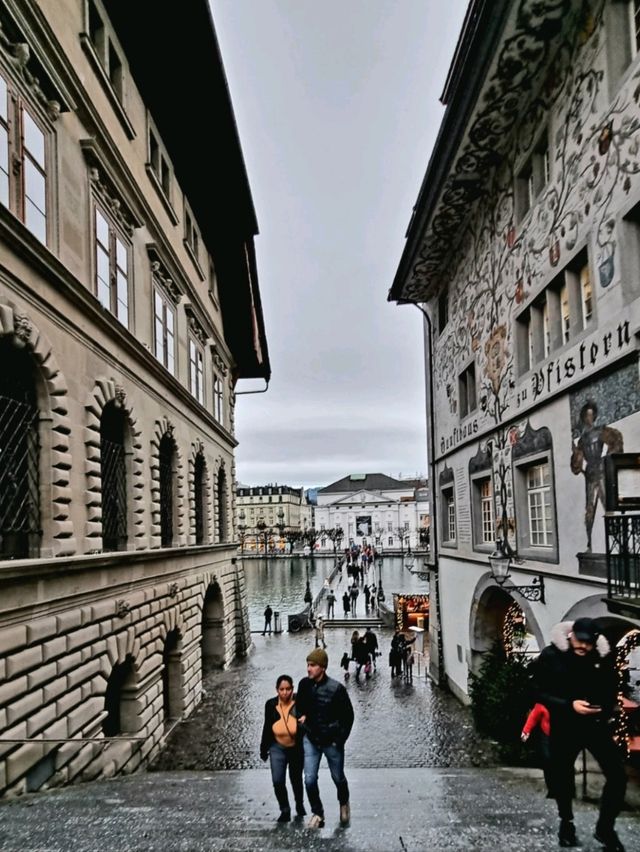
{"type": "Point", "coordinates": [328, 711]}
{"type": "Point", "coordinates": [560, 677]}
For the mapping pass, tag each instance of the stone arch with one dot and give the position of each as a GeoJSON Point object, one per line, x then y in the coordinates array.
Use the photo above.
{"type": "Point", "coordinates": [105, 391]}
{"type": "Point", "coordinates": [173, 676]}
{"type": "Point", "coordinates": [489, 607]}
{"type": "Point", "coordinates": [120, 667]}
{"type": "Point", "coordinates": [161, 428]}
{"type": "Point", "coordinates": [613, 626]}
{"type": "Point", "coordinates": [197, 449]}
{"type": "Point", "coordinates": [222, 502]}
{"type": "Point", "coordinates": [55, 451]}
{"type": "Point", "coordinates": [213, 620]}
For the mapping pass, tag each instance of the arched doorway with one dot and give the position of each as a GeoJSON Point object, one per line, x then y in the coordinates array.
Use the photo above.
{"type": "Point", "coordinates": [119, 700]}
{"type": "Point", "coordinates": [172, 681]}
{"type": "Point", "coordinates": [20, 532]}
{"type": "Point", "coordinates": [213, 650]}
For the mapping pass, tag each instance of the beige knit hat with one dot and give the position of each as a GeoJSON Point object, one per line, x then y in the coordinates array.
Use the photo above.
{"type": "Point", "coordinates": [318, 656]}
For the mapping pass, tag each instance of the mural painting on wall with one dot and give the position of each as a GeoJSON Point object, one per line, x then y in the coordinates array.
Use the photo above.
{"type": "Point", "coordinates": [607, 400]}
{"type": "Point", "coordinates": [500, 452]}
{"type": "Point", "coordinates": [500, 264]}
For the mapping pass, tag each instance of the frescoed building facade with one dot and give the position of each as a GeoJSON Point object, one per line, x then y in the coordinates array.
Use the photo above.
{"type": "Point", "coordinates": [524, 253]}
{"type": "Point", "coordinates": [129, 309]}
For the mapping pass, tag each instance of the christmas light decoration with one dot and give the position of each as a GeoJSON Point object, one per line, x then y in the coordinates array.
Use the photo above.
{"type": "Point", "coordinates": [627, 644]}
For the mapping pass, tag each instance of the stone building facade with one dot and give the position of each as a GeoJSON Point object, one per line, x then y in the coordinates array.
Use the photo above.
{"type": "Point", "coordinates": [523, 251]}
{"type": "Point", "coordinates": [265, 512]}
{"type": "Point", "coordinates": [129, 309]}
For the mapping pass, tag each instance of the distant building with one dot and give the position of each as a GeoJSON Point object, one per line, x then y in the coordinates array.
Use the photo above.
{"type": "Point", "coordinates": [266, 513]}
{"type": "Point", "coordinates": [372, 508]}
{"type": "Point", "coordinates": [129, 308]}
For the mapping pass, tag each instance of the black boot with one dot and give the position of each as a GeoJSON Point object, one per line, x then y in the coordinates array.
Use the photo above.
{"type": "Point", "coordinates": [567, 833]}
{"type": "Point", "coordinates": [609, 839]}
{"type": "Point", "coordinates": [300, 810]}
{"type": "Point", "coordinates": [283, 800]}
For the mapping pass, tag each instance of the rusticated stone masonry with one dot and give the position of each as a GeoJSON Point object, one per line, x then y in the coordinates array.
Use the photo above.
{"type": "Point", "coordinates": [27, 334]}
{"type": "Point", "coordinates": [105, 391]}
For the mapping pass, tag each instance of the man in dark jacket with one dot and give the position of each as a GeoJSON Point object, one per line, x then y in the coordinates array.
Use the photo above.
{"type": "Point", "coordinates": [325, 715]}
{"type": "Point", "coordinates": [575, 679]}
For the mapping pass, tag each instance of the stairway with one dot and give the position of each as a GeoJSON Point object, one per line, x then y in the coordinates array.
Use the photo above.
{"type": "Point", "coordinates": [356, 622]}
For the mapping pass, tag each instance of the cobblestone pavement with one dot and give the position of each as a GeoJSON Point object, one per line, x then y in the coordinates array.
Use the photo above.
{"type": "Point", "coordinates": [396, 724]}
{"type": "Point", "coordinates": [398, 810]}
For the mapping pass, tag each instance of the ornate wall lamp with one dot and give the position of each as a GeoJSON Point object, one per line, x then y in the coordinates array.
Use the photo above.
{"type": "Point", "coordinates": [500, 561]}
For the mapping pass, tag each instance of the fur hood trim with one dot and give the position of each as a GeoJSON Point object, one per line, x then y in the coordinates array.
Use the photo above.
{"type": "Point", "coordinates": [560, 638]}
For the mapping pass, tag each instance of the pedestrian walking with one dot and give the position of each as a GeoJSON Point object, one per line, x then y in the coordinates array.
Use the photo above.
{"type": "Point", "coordinates": [281, 743]}
{"type": "Point", "coordinates": [331, 603]}
{"type": "Point", "coordinates": [353, 594]}
{"type": "Point", "coordinates": [360, 654]}
{"type": "Point", "coordinates": [371, 641]}
{"type": "Point", "coordinates": [346, 604]}
{"type": "Point", "coordinates": [326, 714]}
{"type": "Point", "coordinates": [319, 628]}
{"type": "Point", "coordinates": [268, 613]}
{"type": "Point", "coordinates": [344, 663]}
{"type": "Point", "coordinates": [538, 723]}
{"type": "Point", "coordinates": [575, 679]}
{"type": "Point", "coordinates": [367, 595]}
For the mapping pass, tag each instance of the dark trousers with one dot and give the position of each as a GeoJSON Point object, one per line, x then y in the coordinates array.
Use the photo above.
{"type": "Point", "coordinates": [279, 758]}
{"type": "Point", "coordinates": [267, 626]}
{"type": "Point", "coordinates": [335, 759]}
{"type": "Point", "coordinates": [566, 745]}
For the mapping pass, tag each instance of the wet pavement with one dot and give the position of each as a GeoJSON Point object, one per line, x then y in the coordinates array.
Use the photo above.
{"type": "Point", "coordinates": [396, 723]}
{"type": "Point", "coordinates": [395, 810]}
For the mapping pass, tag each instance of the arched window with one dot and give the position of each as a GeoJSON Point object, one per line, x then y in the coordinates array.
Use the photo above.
{"type": "Point", "coordinates": [199, 496]}
{"type": "Point", "coordinates": [167, 457]}
{"type": "Point", "coordinates": [114, 477]}
{"type": "Point", "coordinates": [19, 455]}
{"type": "Point", "coordinates": [213, 638]}
{"type": "Point", "coordinates": [119, 701]}
{"type": "Point", "coordinates": [221, 506]}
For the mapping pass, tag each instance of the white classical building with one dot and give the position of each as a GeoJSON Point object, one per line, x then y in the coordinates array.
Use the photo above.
{"type": "Point", "coordinates": [523, 251]}
{"type": "Point", "coordinates": [372, 508]}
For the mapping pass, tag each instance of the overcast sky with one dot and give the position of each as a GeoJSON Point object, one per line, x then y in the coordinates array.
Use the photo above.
{"type": "Point", "coordinates": [337, 107]}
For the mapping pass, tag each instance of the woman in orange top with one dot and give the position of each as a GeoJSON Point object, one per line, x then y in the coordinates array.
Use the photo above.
{"type": "Point", "coordinates": [282, 744]}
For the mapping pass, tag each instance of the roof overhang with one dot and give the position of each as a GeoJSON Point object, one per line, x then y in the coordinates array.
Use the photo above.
{"type": "Point", "coordinates": [173, 54]}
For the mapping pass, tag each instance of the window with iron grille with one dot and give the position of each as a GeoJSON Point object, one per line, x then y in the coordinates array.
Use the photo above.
{"type": "Point", "coordinates": [23, 160]}
{"type": "Point", "coordinates": [167, 485]}
{"type": "Point", "coordinates": [112, 267]}
{"type": "Point", "coordinates": [20, 532]}
{"type": "Point", "coordinates": [114, 478]}
{"type": "Point", "coordinates": [218, 399]}
{"type": "Point", "coordinates": [221, 506]}
{"type": "Point", "coordinates": [199, 485]}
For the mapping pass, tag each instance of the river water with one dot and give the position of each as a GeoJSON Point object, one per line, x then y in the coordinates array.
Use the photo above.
{"type": "Point", "coordinates": [281, 582]}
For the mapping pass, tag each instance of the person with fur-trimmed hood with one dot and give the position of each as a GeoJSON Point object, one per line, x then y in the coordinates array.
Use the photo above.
{"type": "Point", "coordinates": [575, 678]}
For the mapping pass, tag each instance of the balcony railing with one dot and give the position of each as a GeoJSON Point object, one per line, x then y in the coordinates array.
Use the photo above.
{"type": "Point", "coordinates": [623, 561]}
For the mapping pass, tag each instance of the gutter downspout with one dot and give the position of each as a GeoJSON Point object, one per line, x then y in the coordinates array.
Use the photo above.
{"type": "Point", "coordinates": [436, 672]}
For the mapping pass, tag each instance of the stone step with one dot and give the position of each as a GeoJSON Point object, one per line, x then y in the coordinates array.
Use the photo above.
{"type": "Point", "coordinates": [353, 622]}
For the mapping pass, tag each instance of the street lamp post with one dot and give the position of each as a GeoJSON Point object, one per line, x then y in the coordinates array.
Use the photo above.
{"type": "Point", "coordinates": [242, 529]}
{"type": "Point", "coordinates": [281, 524]}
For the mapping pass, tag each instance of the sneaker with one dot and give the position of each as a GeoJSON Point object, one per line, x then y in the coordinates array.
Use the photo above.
{"type": "Point", "coordinates": [609, 839]}
{"type": "Point", "coordinates": [345, 814]}
{"type": "Point", "coordinates": [285, 816]}
{"type": "Point", "coordinates": [567, 833]}
{"type": "Point", "coordinates": [316, 821]}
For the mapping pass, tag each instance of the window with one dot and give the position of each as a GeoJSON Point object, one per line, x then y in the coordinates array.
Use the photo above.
{"type": "Point", "coordinates": [159, 164]}
{"type": "Point", "coordinates": [560, 313]}
{"type": "Point", "coordinates": [113, 472]}
{"type": "Point", "coordinates": [196, 371]}
{"type": "Point", "coordinates": [23, 162]}
{"type": "Point", "coordinates": [443, 311]}
{"type": "Point", "coordinates": [532, 177]}
{"type": "Point", "coordinates": [390, 541]}
{"type": "Point", "coordinates": [448, 516]}
{"type": "Point", "coordinates": [622, 28]}
{"type": "Point", "coordinates": [221, 506]}
{"type": "Point", "coordinates": [389, 526]}
{"type": "Point", "coordinates": [105, 50]}
{"type": "Point", "coordinates": [190, 234]}
{"type": "Point", "coordinates": [484, 532]}
{"type": "Point", "coordinates": [167, 488]}
{"type": "Point", "coordinates": [112, 267]}
{"type": "Point", "coordinates": [535, 508]}
{"type": "Point", "coordinates": [467, 391]}
{"type": "Point", "coordinates": [218, 402]}
{"type": "Point", "coordinates": [164, 330]}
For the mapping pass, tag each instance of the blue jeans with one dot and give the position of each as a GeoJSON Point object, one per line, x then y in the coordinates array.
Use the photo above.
{"type": "Point", "coordinates": [335, 759]}
{"type": "Point", "coordinates": [279, 758]}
